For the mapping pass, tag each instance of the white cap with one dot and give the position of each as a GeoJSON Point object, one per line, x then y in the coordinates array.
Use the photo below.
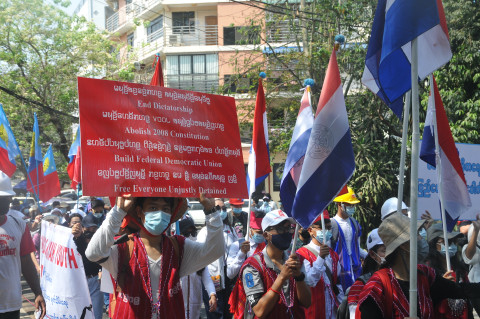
{"type": "Point", "coordinates": [6, 185]}
{"type": "Point", "coordinates": [77, 211]}
{"type": "Point", "coordinates": [373, 239]}
{"type": "Point", "coordinates": [275, 217]}
{"type": "Point", "coordinates": [390, 206]}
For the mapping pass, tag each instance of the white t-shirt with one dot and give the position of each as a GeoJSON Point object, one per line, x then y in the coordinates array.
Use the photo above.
{"type": "Point", "coordinates": [15, 241]}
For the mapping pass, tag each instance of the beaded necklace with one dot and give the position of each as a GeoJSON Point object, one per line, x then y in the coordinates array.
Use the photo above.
{"type": "Point", "coordinates": [155, 306]}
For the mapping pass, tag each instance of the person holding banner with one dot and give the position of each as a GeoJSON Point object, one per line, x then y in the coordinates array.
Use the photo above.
{"type": "Point", "coordinates": [16, 246]}
{"type": "Point", "coordinates": [384, 294]}
{"type": "Point", "coordinates": [346, 233]}
{"type": "Point", "coordinates": [323, 269]}
{"type": "Point", "coordinates": [271, 284]}
{"type": "Point", "coordinates": [148, 266]}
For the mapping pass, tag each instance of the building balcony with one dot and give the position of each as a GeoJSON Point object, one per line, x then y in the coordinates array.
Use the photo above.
{"type": "Point", "coordinates": [207, 83]}
{"type": "Point", "coordinates": [281, 32]}
{"type": "Point", "coordinates": [122, 20]}
{"type": "Point", "coordinates": [146, 9]}
{"type": "Point", "coordinates": [199, 35]}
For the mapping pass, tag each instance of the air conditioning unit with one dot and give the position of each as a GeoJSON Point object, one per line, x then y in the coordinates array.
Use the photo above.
{"type": "Point", "coordinates": [174, 39]}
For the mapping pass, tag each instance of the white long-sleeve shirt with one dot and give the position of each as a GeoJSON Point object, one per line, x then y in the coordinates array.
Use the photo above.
{"type": "Point", "coordinates": [316, 271]}
{"type": "Point", "coordinates": [236, 257]}
{"type": "Point", "coordinates": [347, 230]}
{"type": "Point", "coordinates": [196, 255]}
{"type": "Point", "coordinates": [216, 268]}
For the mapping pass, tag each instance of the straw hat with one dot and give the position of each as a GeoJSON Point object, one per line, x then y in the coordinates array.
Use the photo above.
{"type": "Point", "coordinates": [395, 231]}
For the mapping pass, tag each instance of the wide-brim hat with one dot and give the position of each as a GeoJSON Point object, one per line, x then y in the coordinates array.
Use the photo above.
{"type": "Point", "coordinates": [51, 218]}
{"type": "Point", "coordinates": [436, 230]}
{"type": "Point", "coordinates": [395, 231]}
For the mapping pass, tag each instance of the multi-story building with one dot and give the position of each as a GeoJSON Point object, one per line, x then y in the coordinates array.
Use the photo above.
{"type": "Point", "coordinates": [202, 44]}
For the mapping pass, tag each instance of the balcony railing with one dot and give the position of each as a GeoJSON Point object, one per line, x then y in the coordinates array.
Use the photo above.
{"type": "Point", "coordinates": [282, 31]}
{"type": "Point", "coordinates": [120, 18]}
{"type": "Point", "coordinates": [191, 35]}
{"type": "Point", "coordinates": [207, 83]}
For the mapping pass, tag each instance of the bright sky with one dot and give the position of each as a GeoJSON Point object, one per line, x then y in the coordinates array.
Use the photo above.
{"type": "Point", "coordinates": [70, 9]}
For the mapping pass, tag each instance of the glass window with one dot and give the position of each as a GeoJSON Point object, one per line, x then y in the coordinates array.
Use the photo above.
{"type": "Point", "coordinates": [183, 22]}
{"type": "Point", "coordinates": [241, 35]}
{"type": "Point", "coordinates": [130, 39]}
{"type": "Point", "coordinates": [155, 25]}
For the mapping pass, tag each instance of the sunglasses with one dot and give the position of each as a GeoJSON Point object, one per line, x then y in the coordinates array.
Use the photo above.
{"type": "Point", "coordinates": [218, 207]}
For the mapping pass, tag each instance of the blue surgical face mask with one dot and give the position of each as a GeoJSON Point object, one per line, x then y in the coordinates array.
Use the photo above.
{"type": "Point", "coordinates": [156, 222]}
{"type": "Point", "coordinates": [452, 250]}
{"type": "Point", "coordinates": [423, 233]}
{"type": "Point", "coordinates": [237, 210]}
{"type": "Point", "coordinates": [223, 214]}
{"type": "Point", "coordinates": [97, 215]}
{"type": "Point", "coordinates": [258, 238]}
{"type": "Point", "coordinates": [319, 236]}
{"type": "Point", "coordinates": [350, 210]}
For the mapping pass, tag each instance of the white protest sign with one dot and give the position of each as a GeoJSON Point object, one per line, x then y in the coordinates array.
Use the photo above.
{"type": "Point", "coordinates": [428, 197]}
{"type": "Point", "coordinates": [63, 281]}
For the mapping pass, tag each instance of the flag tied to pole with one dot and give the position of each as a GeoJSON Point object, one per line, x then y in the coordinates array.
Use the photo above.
{"type": "Point", "coordinates": [51, 187]}
{"type": "Point", "coordinates": [396, 24]}
{"type": "Point", "coordinates": [157, 78]}
{"type": "Point", "coordinates": [259, 159]}
{"type": "Point", "coordinates": [329, 161]}
{"type": "Point", "coordinates": [9, 149]}
{"type": "Point", "coordinates": [35, 165]}
{"type": "Point", "coordinates": [74, 164]}
{"type": "Point", "coordinates": [296, 152]}
{"type": "Point", "coordinates": [455, 192]}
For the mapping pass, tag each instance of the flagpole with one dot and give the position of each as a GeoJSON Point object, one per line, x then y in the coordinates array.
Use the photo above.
{"type": "Point", "coordinates": [247, 234]}
{"type": "Point", "coordinates": [28, 177]}
{"type": "Point", "coordinates": [295, 237]}
{"type": "Point", "coordinates": [323, 229]}
{"type": "Point", "coordinates": [401, 174]}
{"type": "Point", "coordinates": [414, 181]}
{"type": "Point", "coordinates": [439, 172]}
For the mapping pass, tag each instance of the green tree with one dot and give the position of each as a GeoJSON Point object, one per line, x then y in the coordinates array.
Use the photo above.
{"type": "Point", "coordinates": [42, 51]}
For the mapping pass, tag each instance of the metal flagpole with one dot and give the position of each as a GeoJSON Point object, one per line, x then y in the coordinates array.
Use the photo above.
{"type": "Point", "coordinates": [401, 174]}
{"type": "Point", "coordinates": [295, 237]}
{"type": "Point", "coordinates": [247, 233]}
{"type": "Point", "coordinates": [414, 182]}
{"type": "Point", "coordinates": [439, 173]}
{"type": "Point", "coordinates": [324, 230]}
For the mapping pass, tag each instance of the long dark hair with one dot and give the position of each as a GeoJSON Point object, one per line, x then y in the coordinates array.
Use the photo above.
{"type": "Point", "coordinates": [435, 260]}
{"type": "Point", "coordinates": [370, 265]}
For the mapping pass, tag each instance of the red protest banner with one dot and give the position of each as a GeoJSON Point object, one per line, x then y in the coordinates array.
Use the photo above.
{"type": "Point", "coordinates": [155, 141]}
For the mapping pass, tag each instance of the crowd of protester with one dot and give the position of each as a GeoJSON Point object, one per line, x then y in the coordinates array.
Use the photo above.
{"type": "Point", "coordinates": [237, 267]}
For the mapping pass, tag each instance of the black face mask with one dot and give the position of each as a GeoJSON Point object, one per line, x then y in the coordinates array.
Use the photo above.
{"type": "Point", "coordinates": [305, 235]}
{"type": "Point", "coordinates": [88, 234]}
{"type": "Point", "coordinates": [282, 241]}
{"type": "Point", "coordinates": [4, 205]}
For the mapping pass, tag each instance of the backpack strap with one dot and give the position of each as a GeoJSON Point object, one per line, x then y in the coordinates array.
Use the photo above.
{"type": "Point", "coordinates": [388, 292]}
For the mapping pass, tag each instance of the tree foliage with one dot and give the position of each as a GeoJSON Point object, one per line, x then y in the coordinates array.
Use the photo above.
{"type": "Point", "coordinates": [376, 132]}
{"type": "Point", "coordinates": [42, 51]}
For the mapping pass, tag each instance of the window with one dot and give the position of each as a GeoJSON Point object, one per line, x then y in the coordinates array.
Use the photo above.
{"type": "Point", "coordinates": [241, 35]}
{"type": "Point", "coordinates": [197, 72]}
{"type": "Point", "coordinates": [183, 22]}
{"type": "Point", "coordinates": [130, 39]}
{"type": "Point", "coordinates": [236, 84]}
{"type": "Point", "coordinates": [154, 29]}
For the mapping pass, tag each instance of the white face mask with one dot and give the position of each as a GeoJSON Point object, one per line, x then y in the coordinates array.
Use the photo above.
{"type": "Point", "coordinates": [382, 259]}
